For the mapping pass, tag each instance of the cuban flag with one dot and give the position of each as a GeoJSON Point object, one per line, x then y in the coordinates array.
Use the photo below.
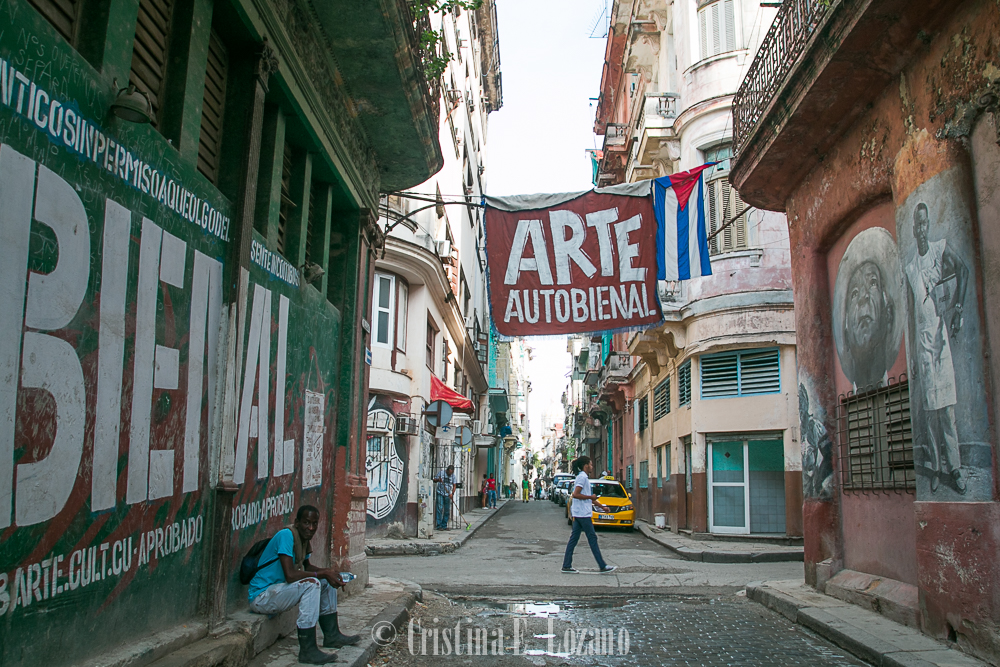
{"type": "Point", "coordinates": [681, 232]}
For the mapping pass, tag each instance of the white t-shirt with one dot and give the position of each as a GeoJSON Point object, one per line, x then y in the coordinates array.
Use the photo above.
{"type": "Point", "coordinates": [582, 508]}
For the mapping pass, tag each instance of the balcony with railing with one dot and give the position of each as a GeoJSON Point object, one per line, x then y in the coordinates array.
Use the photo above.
{"type": "Point", "coordinates": [820, 66]}
{"type": "Point", "coordinates": [614, 373]}
{"type": "Point", "coordinates": [654, 132]}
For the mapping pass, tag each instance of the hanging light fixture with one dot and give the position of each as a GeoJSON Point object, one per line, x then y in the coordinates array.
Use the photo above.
{"type": "Point", "coordinates": [132, 105]}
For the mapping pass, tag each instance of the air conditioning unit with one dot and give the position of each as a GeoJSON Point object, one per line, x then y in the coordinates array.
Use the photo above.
{"type": "Point", "coordinates": [489, 429]}
{"type": "Point", "coordinates": [470, 322]}
{"type": "Point", "coordinates": [406, 425]}
{"type": "Point", "coordinates": [477, 427]}
{"type": "Point", "coordinates": [444, 249]}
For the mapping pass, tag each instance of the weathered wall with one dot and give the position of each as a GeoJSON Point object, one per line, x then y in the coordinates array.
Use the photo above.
{"type": "Point", "coordinates": [386, 465]}
{"type": "Point", "coordinates": [113, 311]}
{"type": "Point", "coordinates": [910, 149]}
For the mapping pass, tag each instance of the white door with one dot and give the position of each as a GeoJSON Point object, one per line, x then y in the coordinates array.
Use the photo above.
{"type": "Point", "coordinates": [728, 484]}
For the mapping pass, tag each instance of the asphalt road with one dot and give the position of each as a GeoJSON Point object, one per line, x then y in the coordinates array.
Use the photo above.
{"type": "Point", "coordinates": [505, 595]}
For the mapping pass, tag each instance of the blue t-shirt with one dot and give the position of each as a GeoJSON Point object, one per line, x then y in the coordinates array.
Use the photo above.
{"type": "Point", "coordinates": [283, 543]}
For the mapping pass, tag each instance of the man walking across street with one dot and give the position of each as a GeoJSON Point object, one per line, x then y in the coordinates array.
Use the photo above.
{"type": "Point", "coordinates": [445, 490]}
{"type": "Point", "coordinates": [581, 510]}
{"type": "Point", "coordinates": [287, 578]}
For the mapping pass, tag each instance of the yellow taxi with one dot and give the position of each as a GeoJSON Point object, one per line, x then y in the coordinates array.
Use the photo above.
{"type": "Point", "coordinates": [613, 495]}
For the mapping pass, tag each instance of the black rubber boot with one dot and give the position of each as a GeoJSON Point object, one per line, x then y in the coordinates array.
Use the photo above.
{"type": "Point", "coordinates": [309, 653]}
{"type": "Point", "coordinates": [332, 637]}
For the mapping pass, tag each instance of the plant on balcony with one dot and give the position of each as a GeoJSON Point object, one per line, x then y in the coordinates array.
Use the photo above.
{"type": "Point", "coordinates": [435, 62]}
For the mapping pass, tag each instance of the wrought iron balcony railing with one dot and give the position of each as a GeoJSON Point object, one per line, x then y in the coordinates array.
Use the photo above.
{"type": "Point", "coordinates": [795, 24]}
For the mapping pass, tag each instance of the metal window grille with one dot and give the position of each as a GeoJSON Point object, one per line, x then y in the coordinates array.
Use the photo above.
{"type": "Point", "coordinates": [740, 373]}
{"type": "Point", "coordinates": [661, 400]}
{"type": "Point", "coordinates": [875, 439]}
{"type": "Point", "coordinates": [684, 384]}
{"type": "Point", "coordinates": [659, 467]}
{"type": "Point", "coordinates": [643, 413]}
{"type": "Point", "coordinates": [287, 203]}
{"type": "Point", "coordinates": [628, 476]}
{"type": "Point", "coordinates": [643, 474]}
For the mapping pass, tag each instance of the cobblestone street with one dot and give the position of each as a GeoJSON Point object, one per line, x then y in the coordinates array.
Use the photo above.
{"type": "Point", "coordinates": [661, 630]}
{"type": "Point", "coordinates": [676, 612]}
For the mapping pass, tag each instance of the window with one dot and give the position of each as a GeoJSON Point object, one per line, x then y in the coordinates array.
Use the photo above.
{"type": "Point", "coordinates": [213, 108]}
{"type": "Point", "coordinates": [149, 52]}
{"type": "Point", "coordinates": [666, 461]}
{"type": "Point", "coordinates": [466, 295]}
{"type": "Point", "coordinates": [431, 343]}
{"type": "Point", "coordinates": [684, 384]}
{"type": "Point", "coordinates": [723, 204]}
{"type": "Point", "coordinates": [62, 14]}
{"type": "Point", "coordinates": [659, 467]}
{"type": "Point", "coordinates": [404, 298]}
{"type": "Point", "coordinates": [385, 288]}
{"type": "Point", "coordinates": [643, 406]}
{"type": "Point", "coordinates": [876, 440]}
{"type": "Point", "coordinates": [287, 204]}
{"type": "Point", "coordinates": [688, 463]}
{"type": "Point", "coordinates": [717, 28]}
{"type": "Point", "coordinates": [643, 474]}
{"type": "Point", "coordinates": [445, 353]}
{"type": "Point", "coordinates": [661, 400]}
{"type": "Point", "coordinates": [628, 477]}
{"type": "Point", "coordinates": [740, 373]}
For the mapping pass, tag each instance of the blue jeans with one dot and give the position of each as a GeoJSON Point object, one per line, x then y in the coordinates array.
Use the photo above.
{"type": "Point", "coordinates": [442, 511]}
{"type": "Point", "coordinates": [586, 525]}
{"type": "Point", "coordinates": [491, 498]}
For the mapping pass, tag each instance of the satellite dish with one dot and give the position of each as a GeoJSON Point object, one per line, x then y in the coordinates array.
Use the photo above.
{"type": "Point", "coordinates": [463, 436]}
{"type": "Point", "coordinates": [438, 414]}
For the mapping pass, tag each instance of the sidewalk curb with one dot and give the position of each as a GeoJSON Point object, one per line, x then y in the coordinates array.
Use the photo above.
{"type": "Point", "coordinates": [397, 613]}
{"type": "Point", "coordinates": [711, 556]}
{"type": "Point", "coordinates": [405, 548]}
{"type": "Point", "coordinates": [917, 650]}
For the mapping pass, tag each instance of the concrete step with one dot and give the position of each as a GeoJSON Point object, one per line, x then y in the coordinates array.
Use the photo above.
{"type": "Point", "coordinates": [230, 650]}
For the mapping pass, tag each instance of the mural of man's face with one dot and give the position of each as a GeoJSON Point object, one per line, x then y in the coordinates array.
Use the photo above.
{"type": "Point", "coordinates": [865, 310]}
{"type": "Point", "coordinates": [921, 223]}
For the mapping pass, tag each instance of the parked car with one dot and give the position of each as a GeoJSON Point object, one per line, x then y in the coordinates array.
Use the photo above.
{"type": "Point", "coordinates": [556, 479]}
{"type": "Point", "coordinates": [562, 491]}
{"type": "Point", "coordinates": [612, 494]}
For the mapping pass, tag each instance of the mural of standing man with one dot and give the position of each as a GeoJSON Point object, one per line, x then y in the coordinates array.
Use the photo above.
{"type": "Point", "coordinates": [937, 279]}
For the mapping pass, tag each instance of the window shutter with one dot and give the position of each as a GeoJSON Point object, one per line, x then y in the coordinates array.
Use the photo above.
{"type": "Point", "coordinates": [741, 224]}
{"type": "Point", "coordinates": [212, 108]}
{"type": "Point", "coordinates": [702, 25]}
{"type": "Point", "coordinates": [286, 196]}
{"type": "Point", "coordinates": [713, 217]}
{"type": "Point", "coordinates": [149, 52]}
{"type": "Point", "coordinates": [719, 375]}
{"type": "Point", "coordinates": [760, 372]}
{"type": "Point", "coordinates": [313, 228]}
{"type": "Point", "coordinates": [635, 416]}
{"type": "Point", "coordinates": [661, 400]}
{"type": "Point", "coordinates": [684, 383]}
{"type": "Point", "coordinates": [727, 233]}
{"type": "Point", "coordinates": [729, 12]}
{"type": "Point", "coordinates": [716, 30]}
{"type": "Point", "coordinates": [62, 14]}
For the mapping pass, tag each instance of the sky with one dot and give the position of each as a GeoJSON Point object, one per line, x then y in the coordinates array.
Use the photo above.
{"type": "Point", "coordinates": [536, 142]}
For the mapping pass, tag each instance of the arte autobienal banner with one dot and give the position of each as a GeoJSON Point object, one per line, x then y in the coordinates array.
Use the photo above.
{"type": "Point", "coordinates": [573, 263]}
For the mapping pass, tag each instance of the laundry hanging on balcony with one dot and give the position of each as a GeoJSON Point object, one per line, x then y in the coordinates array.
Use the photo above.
{"type": "Point", "coordinates": [583, 262]}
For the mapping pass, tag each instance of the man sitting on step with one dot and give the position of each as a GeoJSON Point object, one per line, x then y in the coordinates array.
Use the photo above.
{"type": "Point", "coordinates": [288, 579]}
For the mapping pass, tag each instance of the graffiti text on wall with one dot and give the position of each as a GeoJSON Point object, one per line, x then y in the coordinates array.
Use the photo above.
{"type": "Point", "coordinates": [32, 311]}
{"type": "Point", "coordinates": [63, 124]}
{"type": "Point", "coordinates": [273, 263]}
{"type": "Point", "coordinates": [259, 511]}
{"type": "Point", "coordinates": [36, 582]}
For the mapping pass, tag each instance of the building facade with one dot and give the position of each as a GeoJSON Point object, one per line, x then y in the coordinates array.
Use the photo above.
{"type": "Point", "coordinates": [187, 198]}
{"type": "Point", "coordinates": [874, 127]}
{"type": "Point", "coordinates": [698, 416]}
{"type": "Point", "coordinates": [430, 318]}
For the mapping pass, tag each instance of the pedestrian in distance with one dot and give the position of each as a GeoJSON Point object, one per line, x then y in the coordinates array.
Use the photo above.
{"type": "Point", "coordinates": [491, 493]}
{"type": "Point", "coordinates": [525, 490]}
{"type": "Point", "coordinates": [483, 494]}
{"type": "Point", "coordinates": [287, 579]}
{"type": "Point", "coordinates": [581, 509]}
{"type": "Point", "coordinates": [445, 491]}
{"type": "Point", "coordinates": [538, 488]}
